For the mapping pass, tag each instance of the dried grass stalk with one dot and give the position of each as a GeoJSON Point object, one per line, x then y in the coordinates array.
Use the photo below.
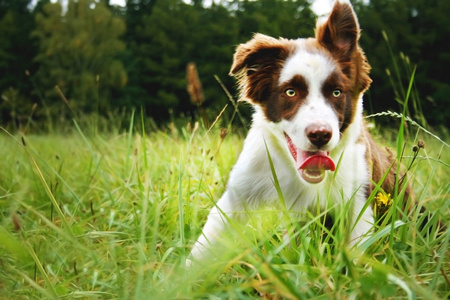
{"type": "Point", "coordinates": [194, 86]}
{"type": "Point", "coordinates": [195, 91]}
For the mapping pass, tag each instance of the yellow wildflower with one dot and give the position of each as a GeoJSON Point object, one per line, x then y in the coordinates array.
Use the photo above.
{"type": "Point", "coordinates": [382, 202]}
{"type": "Point", "coordinates": [383, 199]}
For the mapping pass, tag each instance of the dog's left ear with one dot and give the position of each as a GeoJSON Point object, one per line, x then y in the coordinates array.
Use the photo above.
{"type": "Point", "coordinates": [340, 35]}
{"type": "Point", "coordinates": [259, 51]}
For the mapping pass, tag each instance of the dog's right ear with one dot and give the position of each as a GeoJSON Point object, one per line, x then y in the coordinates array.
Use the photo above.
{"type": "Point", "coordinates": [259, 52]}
{"type": "Point", "coordinates": [256, 65]}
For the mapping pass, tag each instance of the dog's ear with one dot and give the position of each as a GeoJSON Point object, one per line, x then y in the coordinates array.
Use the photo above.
{"type": "Point", "coordinates": [340, 35]}
{"type": "Point", "coordinates": [257, 64]}
{"type": "Point", "coordinates": [260, 51]}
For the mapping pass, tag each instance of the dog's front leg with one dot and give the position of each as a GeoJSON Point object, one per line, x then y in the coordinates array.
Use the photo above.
{"type": "Point", "coordinates": [364, 225]}
{"type": "Point", "coordinates": [225, 210]}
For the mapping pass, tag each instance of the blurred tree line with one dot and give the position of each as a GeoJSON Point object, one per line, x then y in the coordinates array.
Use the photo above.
{"type": "Point", "coordinates": [95, 58]}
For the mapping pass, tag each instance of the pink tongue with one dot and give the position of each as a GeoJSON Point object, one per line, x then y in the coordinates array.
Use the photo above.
{"type": "Point", "coordinates": [312, 165]}
{"type": "Point", "coordinates": [315, 162]}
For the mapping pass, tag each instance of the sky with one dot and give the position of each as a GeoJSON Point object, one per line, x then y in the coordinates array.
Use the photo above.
{"type": "Point", "coordinates": [320, 7]}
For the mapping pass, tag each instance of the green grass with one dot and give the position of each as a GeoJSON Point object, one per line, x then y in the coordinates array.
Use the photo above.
{"type": "Point", "coordinates": [113, 216]}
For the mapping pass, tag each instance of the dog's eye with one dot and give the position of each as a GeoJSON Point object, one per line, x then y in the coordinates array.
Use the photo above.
{"type": "Point", "coordinates": [337, 93]}
{"type": "Point", "coordinates": [290, 92]}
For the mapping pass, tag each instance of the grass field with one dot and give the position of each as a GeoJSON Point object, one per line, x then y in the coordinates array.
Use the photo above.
{"type": "Point", "coordinates": [113, 216]}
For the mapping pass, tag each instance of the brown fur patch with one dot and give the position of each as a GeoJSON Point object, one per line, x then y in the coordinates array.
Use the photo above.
{"type": "Point", "coordinates": [382, 161]}
{"type": "Point", "coordinates": [344, 104]}
{"type": "Point", "coordinates": [280, 105]}
{"type": "Point", "coordinates": [257, 65]}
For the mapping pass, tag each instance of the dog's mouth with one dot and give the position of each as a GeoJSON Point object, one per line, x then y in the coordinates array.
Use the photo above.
{"type": "Point", "coordinates": [311, 165]}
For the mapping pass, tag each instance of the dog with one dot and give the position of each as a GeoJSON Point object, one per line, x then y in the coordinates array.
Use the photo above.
{"type": "Point", "coordinates": [308, 129]}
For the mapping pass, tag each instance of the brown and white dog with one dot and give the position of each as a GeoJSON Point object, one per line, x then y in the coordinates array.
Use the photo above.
{"type": "Point", "coordinates": [308, 116]}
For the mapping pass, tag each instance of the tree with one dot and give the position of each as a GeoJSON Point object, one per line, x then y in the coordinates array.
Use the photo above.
{"type": "Point", "coordinates": [167, 37]}
{"type": "Point", "coordinates": [78, 53]}
{"type": "Point", "coordinates": [174, 33]}
{"type": "Point", "coordinates": [85, 53]}
{"type": "Point", "coordinates": [16, 54]}
{"type": "Point", "coordinates": [278, 18]}
{"type": "Point", "coordinates": [419, 29]}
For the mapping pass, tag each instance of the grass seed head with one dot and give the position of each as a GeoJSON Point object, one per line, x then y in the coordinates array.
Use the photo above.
{"type": "Point", "coordinates": [194, 86]}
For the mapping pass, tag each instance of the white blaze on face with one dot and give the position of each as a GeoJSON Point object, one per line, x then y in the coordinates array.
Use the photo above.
{"type": "Point", "coordinates": [311, 156]}
{"type": "Point", "coordinates": [315, 68]}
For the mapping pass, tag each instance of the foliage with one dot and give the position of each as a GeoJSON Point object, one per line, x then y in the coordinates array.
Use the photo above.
{"type": "Point", "coordinates": [418, 29]}
{"type": "Point", "coordinates": [78, 53]}
{"type": "Point", "coordinates": [105, 58]}
{"type": "Point", "coordinates": [16, 54]}
{"type": "Point", "coordinates": [114, 216]}
{"type": "Point", "coordinates": [174, 34]}
{"type": "Point", "coordinates": [289, 19]}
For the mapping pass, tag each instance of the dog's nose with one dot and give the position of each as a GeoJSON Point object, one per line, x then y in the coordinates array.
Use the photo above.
{"type": "Point", "coordinates": [319, 134]}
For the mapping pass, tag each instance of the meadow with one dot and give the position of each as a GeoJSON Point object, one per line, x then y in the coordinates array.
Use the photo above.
{"type": "Point", "coordinates": [113, 215]}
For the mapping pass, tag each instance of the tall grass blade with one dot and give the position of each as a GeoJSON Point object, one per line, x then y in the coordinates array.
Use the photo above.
{"type": "Point", "coordinates": [144, 200]}
{"type": "Point", "coordinates": [130, 136]}
{"type": "Point", "coordinates": [44, 183]}
{"type": "Point", "coordinates": [400, 148]}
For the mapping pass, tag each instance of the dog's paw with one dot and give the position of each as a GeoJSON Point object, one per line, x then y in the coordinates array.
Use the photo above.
{"type": "Point", "coordinates": [188, 263]}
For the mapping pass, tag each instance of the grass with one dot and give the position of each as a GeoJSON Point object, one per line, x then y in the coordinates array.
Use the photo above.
{"type": "Point", "coordinates": [113, 216]}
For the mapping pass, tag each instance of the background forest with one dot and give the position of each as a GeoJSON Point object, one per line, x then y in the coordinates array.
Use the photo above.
{"type": "Point", "coordinates": [95, 58]}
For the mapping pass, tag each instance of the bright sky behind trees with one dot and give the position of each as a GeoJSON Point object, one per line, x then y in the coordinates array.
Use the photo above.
{"type": "Point", "coordinates": [320, 7]}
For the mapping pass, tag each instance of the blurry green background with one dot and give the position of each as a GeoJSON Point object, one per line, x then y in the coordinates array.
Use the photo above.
{"type": "Point", "coordinates": [107, 59]}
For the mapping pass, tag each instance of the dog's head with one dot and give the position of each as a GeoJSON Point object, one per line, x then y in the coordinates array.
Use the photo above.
{"type": "Point", "coordinates": [311, 88]}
